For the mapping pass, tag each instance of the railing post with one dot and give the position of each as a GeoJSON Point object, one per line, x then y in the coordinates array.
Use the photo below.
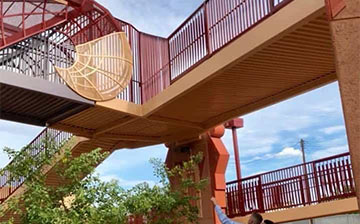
{"type": "Point", "coordinates": [169, 55]}
{"type": "Point", "coordinates": [241, 198]}
{"type": "Point", "coordinates": [140, 71]}
{"type": "Point", "coordinates": [228, 201]}
{"type": "Point", "coordinates": [317, 187]}
{"type": "Point", "coordinates": [306, 185]}
{"type": "Point", "coordinates": [131, 97]}
{"type": "Point", "coordinates": [206, 24]}
{"type": "Point", "coordinates": [260, 197]}
{"type": "Point", "coordinates": [9, 185]}
{"type": "Point", "coordinates": [272, 6]}
{"type": "Point", "coordinates": [301, 191]}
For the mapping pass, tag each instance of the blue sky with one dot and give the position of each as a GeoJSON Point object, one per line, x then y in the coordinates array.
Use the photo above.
{"type": "Point", "coordinates": [269, 139]}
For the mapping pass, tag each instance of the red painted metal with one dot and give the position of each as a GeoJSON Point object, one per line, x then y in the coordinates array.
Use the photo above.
{"type": "Point", "coordinates": [8, 185]}
{"type": "Point", "coordinates": [22, 19]}
{"type": "Point", "coordinates": [217, 24]}
{"type": "Point", "coordinates": [154, 65]}
{"type": "Point", "coordinates": [326, 179]}
{"type": "Point", "coordinates": [233, 125]}
{"type": "Point", "coordinates": [334, 7]}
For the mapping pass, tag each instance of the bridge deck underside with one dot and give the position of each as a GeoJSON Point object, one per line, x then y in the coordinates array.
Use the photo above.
{"type": "Point", "coordinates": [35, 101]}
{"type": "Point", "coordinates": [299, 61]}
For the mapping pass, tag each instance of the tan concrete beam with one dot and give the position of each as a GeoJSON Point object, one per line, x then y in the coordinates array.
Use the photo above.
{"type": "Point", "coordinates": [113, 125]}
{"type": "Point", "coordinates": [135, 138]}
{"type": "Point", "coordinates": [174, 122]}
{"type": "Point", "coordinates": [122, 106]}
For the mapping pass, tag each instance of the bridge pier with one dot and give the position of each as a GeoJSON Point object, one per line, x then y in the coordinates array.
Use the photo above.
{"type": "Point", "coordinates": [212, 168]}
{"type": "Point", "coordinates": [345, 28]}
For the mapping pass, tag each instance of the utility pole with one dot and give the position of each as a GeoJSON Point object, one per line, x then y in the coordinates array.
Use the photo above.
{"type": "Point", "coordinates": [306, 177]}
{"type": "Point", "coordinates": [233, 125]}
{"type": "Point", "coordinates": [302, 146]}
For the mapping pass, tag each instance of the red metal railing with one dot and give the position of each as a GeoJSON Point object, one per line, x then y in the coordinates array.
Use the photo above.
{"type": "Point", "coordinates": [36, 148]}
{"type": "Point", "coordinates": [212, 26]}
{"type": "Point", "coordinates": [161, 61]}
{"type": "Point", "coordinates": [315, 182]}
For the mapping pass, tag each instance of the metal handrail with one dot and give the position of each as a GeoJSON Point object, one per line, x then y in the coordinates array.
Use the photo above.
{"type": "Point", "coordinates": [7, 185]}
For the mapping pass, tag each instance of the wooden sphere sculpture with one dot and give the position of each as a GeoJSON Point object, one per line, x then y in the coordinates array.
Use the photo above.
{"type": "Point", "coordinates": [102, 69]}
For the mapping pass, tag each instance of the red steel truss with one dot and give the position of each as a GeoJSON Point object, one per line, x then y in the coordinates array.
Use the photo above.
{"type": "Point", "coordinates": [85, 19]}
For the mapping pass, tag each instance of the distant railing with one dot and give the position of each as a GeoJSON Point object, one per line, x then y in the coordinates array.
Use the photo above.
{"type": "Point", "coordinates": [306, 184]}
{"type": "Point", "coordinates": [36, 148]}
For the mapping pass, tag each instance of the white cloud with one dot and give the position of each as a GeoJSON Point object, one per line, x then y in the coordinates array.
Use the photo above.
{"type": "Point", "coordinates": [156, 17]}
{"type": "Point", "coordinates": [333, 129]}
{"type": "Point", "coordinates": [289, 152]}
{"type": "Point", "coordinates": [329, 152]}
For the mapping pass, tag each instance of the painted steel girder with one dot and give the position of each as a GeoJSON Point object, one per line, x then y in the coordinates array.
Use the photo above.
{"type": "Point", "coordinates": [21, 19]}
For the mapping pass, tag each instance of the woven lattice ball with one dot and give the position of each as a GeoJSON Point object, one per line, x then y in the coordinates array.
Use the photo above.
{"type": "Point", "coordinates": [102, 68]}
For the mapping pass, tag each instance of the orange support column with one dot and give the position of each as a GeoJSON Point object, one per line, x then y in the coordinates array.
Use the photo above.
{"type": "Point", "coordinates": [218, 158]}
{"type": "Point", "coordinates": [345, 27]}
{"type": "Point", "coordinates": [212, 168]}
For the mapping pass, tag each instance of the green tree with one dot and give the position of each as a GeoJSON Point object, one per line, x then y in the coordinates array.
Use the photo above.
{"type": "Point", "coordinates": [81, 197]}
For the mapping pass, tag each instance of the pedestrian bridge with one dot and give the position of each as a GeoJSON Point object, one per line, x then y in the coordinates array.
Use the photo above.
{"type": "Point", "coordinates": [224, 61]}
{"type": "Point", "coordinates": [228, 59]}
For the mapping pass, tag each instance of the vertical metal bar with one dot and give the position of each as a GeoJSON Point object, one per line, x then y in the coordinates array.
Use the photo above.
{"type": "Point", "coordinates": [132, 78]}
{"type": "Point", "coordinates": [206, 28]}
{"type": "Point", "coordinates": [337, 180]}
{"type": "Point", "coordinates": [140, 72]}
{"type": "Point", "coordinates": [2, 23]}
{"type": "Point", "coordinates": [351, 181]}
{"type": "Point", "coordinates": [271, 6]}
{"type": "Point", "coordinates": [23, 18]}
{"type": "Point", "coordinates": [260, 196]}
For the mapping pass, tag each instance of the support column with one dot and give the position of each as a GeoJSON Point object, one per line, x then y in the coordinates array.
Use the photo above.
{"type": "Point", "coordinates": [212, 168]}
{"type": "Point", "coordinates": [345, 27]}
{"type": "Point", "coordinates": [234, 125]}
{"type": "Point", "coordinates": [218, 159]}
